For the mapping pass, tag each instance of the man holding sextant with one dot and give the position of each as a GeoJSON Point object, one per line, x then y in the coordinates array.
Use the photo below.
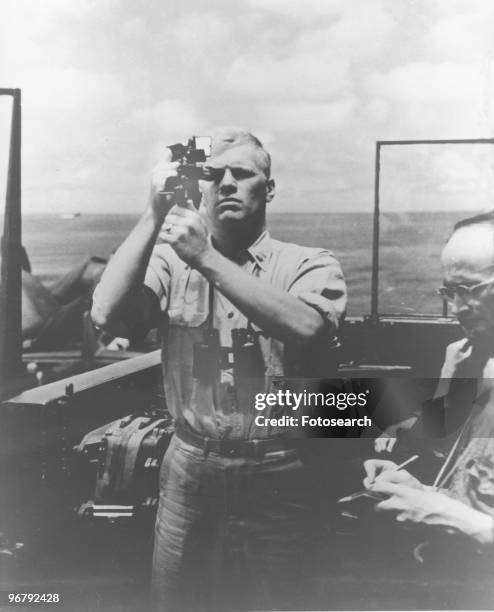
{"type": "Point", "coordinates": [238, 311]}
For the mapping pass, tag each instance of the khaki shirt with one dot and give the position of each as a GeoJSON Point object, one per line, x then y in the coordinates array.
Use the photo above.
{"type": "Point", "coordinates": [218, 409]}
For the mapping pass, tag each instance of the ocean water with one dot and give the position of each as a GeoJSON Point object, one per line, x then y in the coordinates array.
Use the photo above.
{"type": "Point", "coordinates": [409, 250]}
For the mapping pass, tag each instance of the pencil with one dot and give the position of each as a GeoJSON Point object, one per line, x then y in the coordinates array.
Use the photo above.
{"type": "Point", "coordinates": [366, 493]}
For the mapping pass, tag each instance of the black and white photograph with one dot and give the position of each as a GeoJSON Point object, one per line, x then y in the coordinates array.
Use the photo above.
{"type": "Point", "coordinates": [247, 305]}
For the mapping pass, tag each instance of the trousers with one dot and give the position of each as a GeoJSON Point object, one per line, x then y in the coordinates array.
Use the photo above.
{"type": "Point", "coordinates": [231, 532]}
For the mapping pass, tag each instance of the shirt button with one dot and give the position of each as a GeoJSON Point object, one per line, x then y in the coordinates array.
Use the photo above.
{"type": "Point", "coordinates": [230, 315]}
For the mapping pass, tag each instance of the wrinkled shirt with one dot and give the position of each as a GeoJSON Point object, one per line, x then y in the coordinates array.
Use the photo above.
{"type": "Point", "coordinates": [220, 409]}
{"type": "Point", "coordinates": [471, 463]}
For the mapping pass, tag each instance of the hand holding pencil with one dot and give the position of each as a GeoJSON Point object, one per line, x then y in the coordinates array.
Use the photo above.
{"type": "Point", "coordinates": [383, 471]}
{"type": "Point", "coordinates": [399, 494]}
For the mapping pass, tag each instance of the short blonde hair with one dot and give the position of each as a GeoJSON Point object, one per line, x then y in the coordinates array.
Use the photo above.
{"type": "Point", "coordinates": [227, 137]}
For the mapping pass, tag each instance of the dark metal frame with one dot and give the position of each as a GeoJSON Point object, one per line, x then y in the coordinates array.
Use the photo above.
{"type": "Point", "coordinates": [11, 288]}
{"type": "Point", "coordinates": [377, 173]}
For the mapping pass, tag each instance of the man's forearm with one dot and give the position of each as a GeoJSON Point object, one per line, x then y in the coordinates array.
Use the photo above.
{"type": "Point", "coordinates": [276, 312]}
{"type": "Point", "coordinates": [122, 279]}
{"type": "Point", "coordinates": [471, 522]}
{"type": "Point", "coordinates": [461, 518]}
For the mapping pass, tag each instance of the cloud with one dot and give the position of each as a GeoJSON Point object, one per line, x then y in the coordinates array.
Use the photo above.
{"type": "Point", "coordinates": [172, 117]}
{"type": "Point", "coordinates": [302, 77]}
{"type": "Point", "coordinates": [200, 30]}
{"type": "Point", "coordinates": [422, 81]}
{"type": "Point", "coordinates": [357, 36]}
{"type": "Point", "coordinates": [134, 28]}
{"type": "Point", "coordinates": [40, 35]}
{"type": "Point", "coordinates": [50, 11]}
{"type": "Point", "coordinates": [106, 85]}
{"type": "Point", "coordinates": [310, 117]}
{"type": "Point", "coordinates": [70, 89]}
{"type": "Point", "coordinates": [463, 37]}
{"type": "Point", "coordinates": [377, 109]}
{"type": "Point", "coordinates": [296, 8]}
{"type": "Point", "coordinates": [441, 8]}
{"type": "Point", "coordinates": [422, 177]}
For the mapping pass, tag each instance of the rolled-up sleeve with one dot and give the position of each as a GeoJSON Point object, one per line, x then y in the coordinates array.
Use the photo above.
{"type": "Point", "coordinates": [319, 282]}
{"type": "Point", "coordinates": [158, 273]}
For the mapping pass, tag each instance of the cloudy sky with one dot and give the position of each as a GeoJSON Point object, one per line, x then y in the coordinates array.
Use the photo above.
{"type": "Point", "coordinates": [106, 84]}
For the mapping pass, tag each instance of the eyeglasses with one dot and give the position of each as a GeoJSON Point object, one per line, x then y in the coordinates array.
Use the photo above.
{"type": "Point", "coordinates": [464, 292]}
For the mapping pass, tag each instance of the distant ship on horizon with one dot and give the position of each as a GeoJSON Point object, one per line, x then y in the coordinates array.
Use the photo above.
{"type": "Point", "coordinates": [69, 215]}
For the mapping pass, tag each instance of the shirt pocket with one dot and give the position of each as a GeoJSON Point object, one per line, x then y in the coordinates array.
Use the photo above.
{"type": "Point", "coordinates": [189, 300]}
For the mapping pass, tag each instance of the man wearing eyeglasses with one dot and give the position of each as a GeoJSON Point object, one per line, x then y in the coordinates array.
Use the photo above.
{"type": "Point", "coordinates": [461, 500]}
{"type": "Point", "coordinates": [233, 506]}
{"type": "Point", "coordinates": [469, 277]}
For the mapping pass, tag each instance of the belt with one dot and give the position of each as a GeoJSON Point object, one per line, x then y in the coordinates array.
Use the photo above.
{"type": "Point", "coordinates": [255, 449]}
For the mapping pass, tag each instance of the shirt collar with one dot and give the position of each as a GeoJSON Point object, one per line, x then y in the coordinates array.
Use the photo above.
{"type": "Point", "coordinates": [260, 250]}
